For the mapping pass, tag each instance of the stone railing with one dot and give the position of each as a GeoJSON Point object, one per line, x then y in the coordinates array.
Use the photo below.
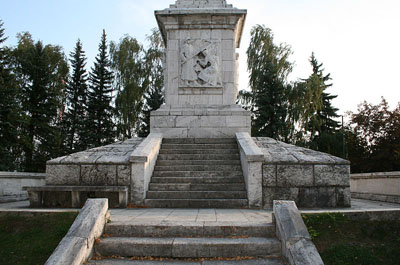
{"type": "Point", "coordinates": [11, 184]}
{"type": "Point", "coordinates": [143, 161]}
{"type": "Point", "coordinates": [297, 246]}
{"type": "Point", "coordinates": [77, 245]}
{"type": "Point", "coordinates": [381, 186]}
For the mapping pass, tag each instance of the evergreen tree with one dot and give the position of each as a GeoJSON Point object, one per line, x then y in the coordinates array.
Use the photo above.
{"type": "Point", "coordinates": [153, 96]}
{"type": "Point", "coordinates": [9, 110]}
{"type": "Point", "coordinates": [100, 127]}
{"type": "Point", "coordinates": [130, 82]}
{"type": "Point", "coordinates": [41, 71]}
{"type": "Point", "coordinates": [269, 67]}
{"type": "Point", "coordinates": [76, 95]}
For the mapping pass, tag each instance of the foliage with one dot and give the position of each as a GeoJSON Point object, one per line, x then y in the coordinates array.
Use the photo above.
{"type": "Point", "coordinates": [153, 96]}
{"type": "Point", "coordinates": [100, 127]}
{"type": "Point", "coordinates": [269, 67]}
{"type": "Point", "coordinates": [41, 73]}
{"type": "Point", "coordinates": [76, 95]}
{"type": "Point", "coordinates": [9, 110]}
{"type": "Point", "coordinates": [373, 138]}
{"type": "Point", "coordinates": [31, 240]}
{"type": "Point", "coordinates": [127, 59]}
{"type": "Point", "coordinates": [340, 240]}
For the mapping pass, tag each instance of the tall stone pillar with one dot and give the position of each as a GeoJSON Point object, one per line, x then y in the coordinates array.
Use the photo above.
{"type": "Point", "coordinates": [201, 71]}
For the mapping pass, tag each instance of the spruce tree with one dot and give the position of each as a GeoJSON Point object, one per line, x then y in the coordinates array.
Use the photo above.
{"type": "Point", "coordinates": [269, 67]}
{"type": "Point", "coordinates": [76, 95]}
{"type": "Point", "coordinates": [9, 110]}
{"type": "Point", "coordinates": [153, 96]}
{"type": "Point", "coordinates": [41, 71]}
{"type": "Point", "coordinates": [100, 127]}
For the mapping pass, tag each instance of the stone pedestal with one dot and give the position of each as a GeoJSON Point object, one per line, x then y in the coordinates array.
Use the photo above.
{"type": "Point", "coordinates": [201, 70]}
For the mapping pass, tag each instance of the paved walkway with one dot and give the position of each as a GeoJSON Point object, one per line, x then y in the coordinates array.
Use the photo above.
{"type": "Point", "coordinates": [154, 215]}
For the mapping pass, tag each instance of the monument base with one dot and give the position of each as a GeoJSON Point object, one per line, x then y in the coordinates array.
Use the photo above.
{"type": "Point", "coordinates": [200, 121]}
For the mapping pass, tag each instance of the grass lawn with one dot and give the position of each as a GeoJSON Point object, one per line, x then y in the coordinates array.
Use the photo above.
{"type": "Point", "coordinates": [31, 240]}
{"type": "Point", "coordinates": [341, 241]}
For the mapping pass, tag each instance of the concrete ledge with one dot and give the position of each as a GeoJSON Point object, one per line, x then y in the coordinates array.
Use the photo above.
{"type": "Point", "coordinates": [376, 197]}
{"type": "Point", "coordinates": [376, 175]}
{"type": "Point", "coordinates": [251, 151]}
{"type": "Point", "coordinates": [77, 246]}
{"type": "Point", "coordinates": [297, 246]}
{"type": "Point", "coordinates": [146, 148]}
{"type": "Point", "coordinates": [22, 175]}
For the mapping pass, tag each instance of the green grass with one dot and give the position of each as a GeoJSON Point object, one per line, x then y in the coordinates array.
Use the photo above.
{"type": "Point", "coordinates": [341, 241]}
{"type": "Point", "coordinates": [31, 240]}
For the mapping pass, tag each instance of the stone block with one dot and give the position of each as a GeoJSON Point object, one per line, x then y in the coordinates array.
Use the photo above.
{"type": "Point", "coordinates": [271, 194]}
{"type": "Point", "coordinates": [304, 252]}
{"type": "Point", "coordinates": [332, 175]}
{"type": "Point", "coordinates": [173, 45]}
{"type": "Point", "coordinates": [236, 121]}
{"type": "Point", "coordinates": [228, 77]}
{"type": "Point", "coordinates": [269, 175]}
{"type": "Point", "coordinates": [99, 174]}
{"type": "Point", "coordinates": [71, 250]}
{"type": "Point", "coordinates": [62, 174]}
{"type": "Point", "coordinates": [317, 197]}
{"type": "Point", "coordinates": [171, 132]}
{"type": "Point", "coordinates": [188, 121]}
{"type": "Point", "coordinates": [295, 175]}
{"type": "Point", "coordinates": [216, 34]}
{"type": "Point", "coordinates": [124, 175]}
{"type": "Point", "coordinates": [228, 34]}
{"type": "Point", "coordinates": [213, 121]}
{"type": "Point", "coordinates": [205, 34]}
{"type": "Point", "coordinates": [163, 121]}
{"type": "Point", "coordinates": [343, 197]}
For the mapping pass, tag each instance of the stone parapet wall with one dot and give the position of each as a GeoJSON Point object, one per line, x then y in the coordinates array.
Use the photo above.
{"type": "Point", "coordinates": [380, 186]}
{"type": "Point", "coordinates": [310, 178]}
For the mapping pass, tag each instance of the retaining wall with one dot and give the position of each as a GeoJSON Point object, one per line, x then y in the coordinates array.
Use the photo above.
{"type": "Point", "coordinates": [11, 184]}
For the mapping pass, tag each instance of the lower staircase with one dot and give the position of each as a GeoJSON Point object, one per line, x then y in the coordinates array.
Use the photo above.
{"type": "Point", "coordinates": [198, 173]}
{"type": "Point", "coordinates": [130, 241]}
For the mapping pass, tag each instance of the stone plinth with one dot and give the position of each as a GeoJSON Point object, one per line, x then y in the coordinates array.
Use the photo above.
{"type": "Point", "coordinates": [200, 121]}
{"type": "Point", "coordinates": [310, 178]}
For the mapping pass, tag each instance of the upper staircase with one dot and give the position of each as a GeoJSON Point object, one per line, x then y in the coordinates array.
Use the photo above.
{"type": "Point", "coordinates": [198, 173]}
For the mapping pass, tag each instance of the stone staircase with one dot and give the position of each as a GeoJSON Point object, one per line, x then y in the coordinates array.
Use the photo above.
{"type": "Point", "coordinates": [132, 242]}
{"type": "Point", "coordinates": [198, 173]}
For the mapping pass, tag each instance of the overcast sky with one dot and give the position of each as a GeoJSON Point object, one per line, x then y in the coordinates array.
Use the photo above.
{"type": "Point", "coordinates": [358, 41]}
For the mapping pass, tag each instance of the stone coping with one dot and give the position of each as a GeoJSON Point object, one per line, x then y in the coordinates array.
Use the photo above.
{"type": "Point", "coordinates": [376, 175]}
{"type": "Point", "coordinates": [77, 245]}
{"type": "Point", "coordinates": [276, 152]}
{"type": "Point", "coordinates": [227, 11]}
{"type": "Point", "coordinates": [145, 149]}
{"type": "Point", "coordinates": [251, 151]}
{"type": "Point", "coordinates": [22, 175]}
{"type": "Point", "coordinates": [114, 154]}
{"type": "Point", "coordinates": [201, 110]}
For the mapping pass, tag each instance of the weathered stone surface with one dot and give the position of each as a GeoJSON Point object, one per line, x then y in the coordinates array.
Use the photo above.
{"type": "Point", "coordinates": [71, 250]}
{"type": "Point", "coordinates": [62, 174]}
{"type": "Point", "coordinates": [304, 252]}
{"type": "Point", "coordinates": [275, 193]}
{"type": "Point", "coordinates": [124, 175]}
{"type": "Point", "coordinates": [317, 197]}
{"type": "Point", "coordinates": [295, 175]}
{"type": "Point", "coordinates": [269, 175]}
{"type": "Point", "coordinates": [332, 175]}
{"type": "Point", "coordinates": [99, 174]}
{"type": "Point", "coordinates": [344, 197]}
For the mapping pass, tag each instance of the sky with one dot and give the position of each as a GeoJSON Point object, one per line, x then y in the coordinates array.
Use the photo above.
{"type": "Point", "coordinates": [358, 41]}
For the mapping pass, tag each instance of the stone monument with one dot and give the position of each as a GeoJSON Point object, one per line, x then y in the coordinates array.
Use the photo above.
{"type": "Point", "coordinates": [214, 159]}
{"type": "Point", "coordinates": [201, 70]}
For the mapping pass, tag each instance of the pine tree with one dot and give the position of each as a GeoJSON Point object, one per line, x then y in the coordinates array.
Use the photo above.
{"type": "Point", "coordinates": [153, 96]}
{"type": "Point", "coordinates": [9, 110]}
{"type": "Point", "coordinates": [41, 72]}
{"type": "Point", "coordinates": [100, 126]}
{"type": "Point", "coordinates": [76, 95]}
{"type": "Point", "coordinates": [269, 67]}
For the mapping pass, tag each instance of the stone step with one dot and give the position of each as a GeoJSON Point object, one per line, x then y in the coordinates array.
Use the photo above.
{"type": "Point", "coordinates": [199, 141]}
{"type": "Point", "coordinates": [199, 146]}
{"type": "Point", "coordinates": [198, 157]}
{"type": "Point", "coordinates": [199, 168]}
{"type": "Point", "coordinates": [196, 195]}
{"type": "Point", "coordinates": [197, 203]}
{"type": "Point", "coordinates": [198, 174]}
{"type": "Point", "coordinates": [256, 261]}
{"type": "Point", "coordinates": [199, 180]}
{"type": "Point", "coordinates": [190, 229]}
{"type": "Point", "coordinates": [196, 187]}
{"type": "Point", "coordinates": [197, 162]}
{"type": "Point", "coordinates": [188, 247]}
{"type": "Point", "coordinates": [200, 151]}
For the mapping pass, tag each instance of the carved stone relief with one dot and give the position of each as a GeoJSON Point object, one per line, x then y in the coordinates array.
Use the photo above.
{"type": "Point", "coordinates": [200, 63]}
